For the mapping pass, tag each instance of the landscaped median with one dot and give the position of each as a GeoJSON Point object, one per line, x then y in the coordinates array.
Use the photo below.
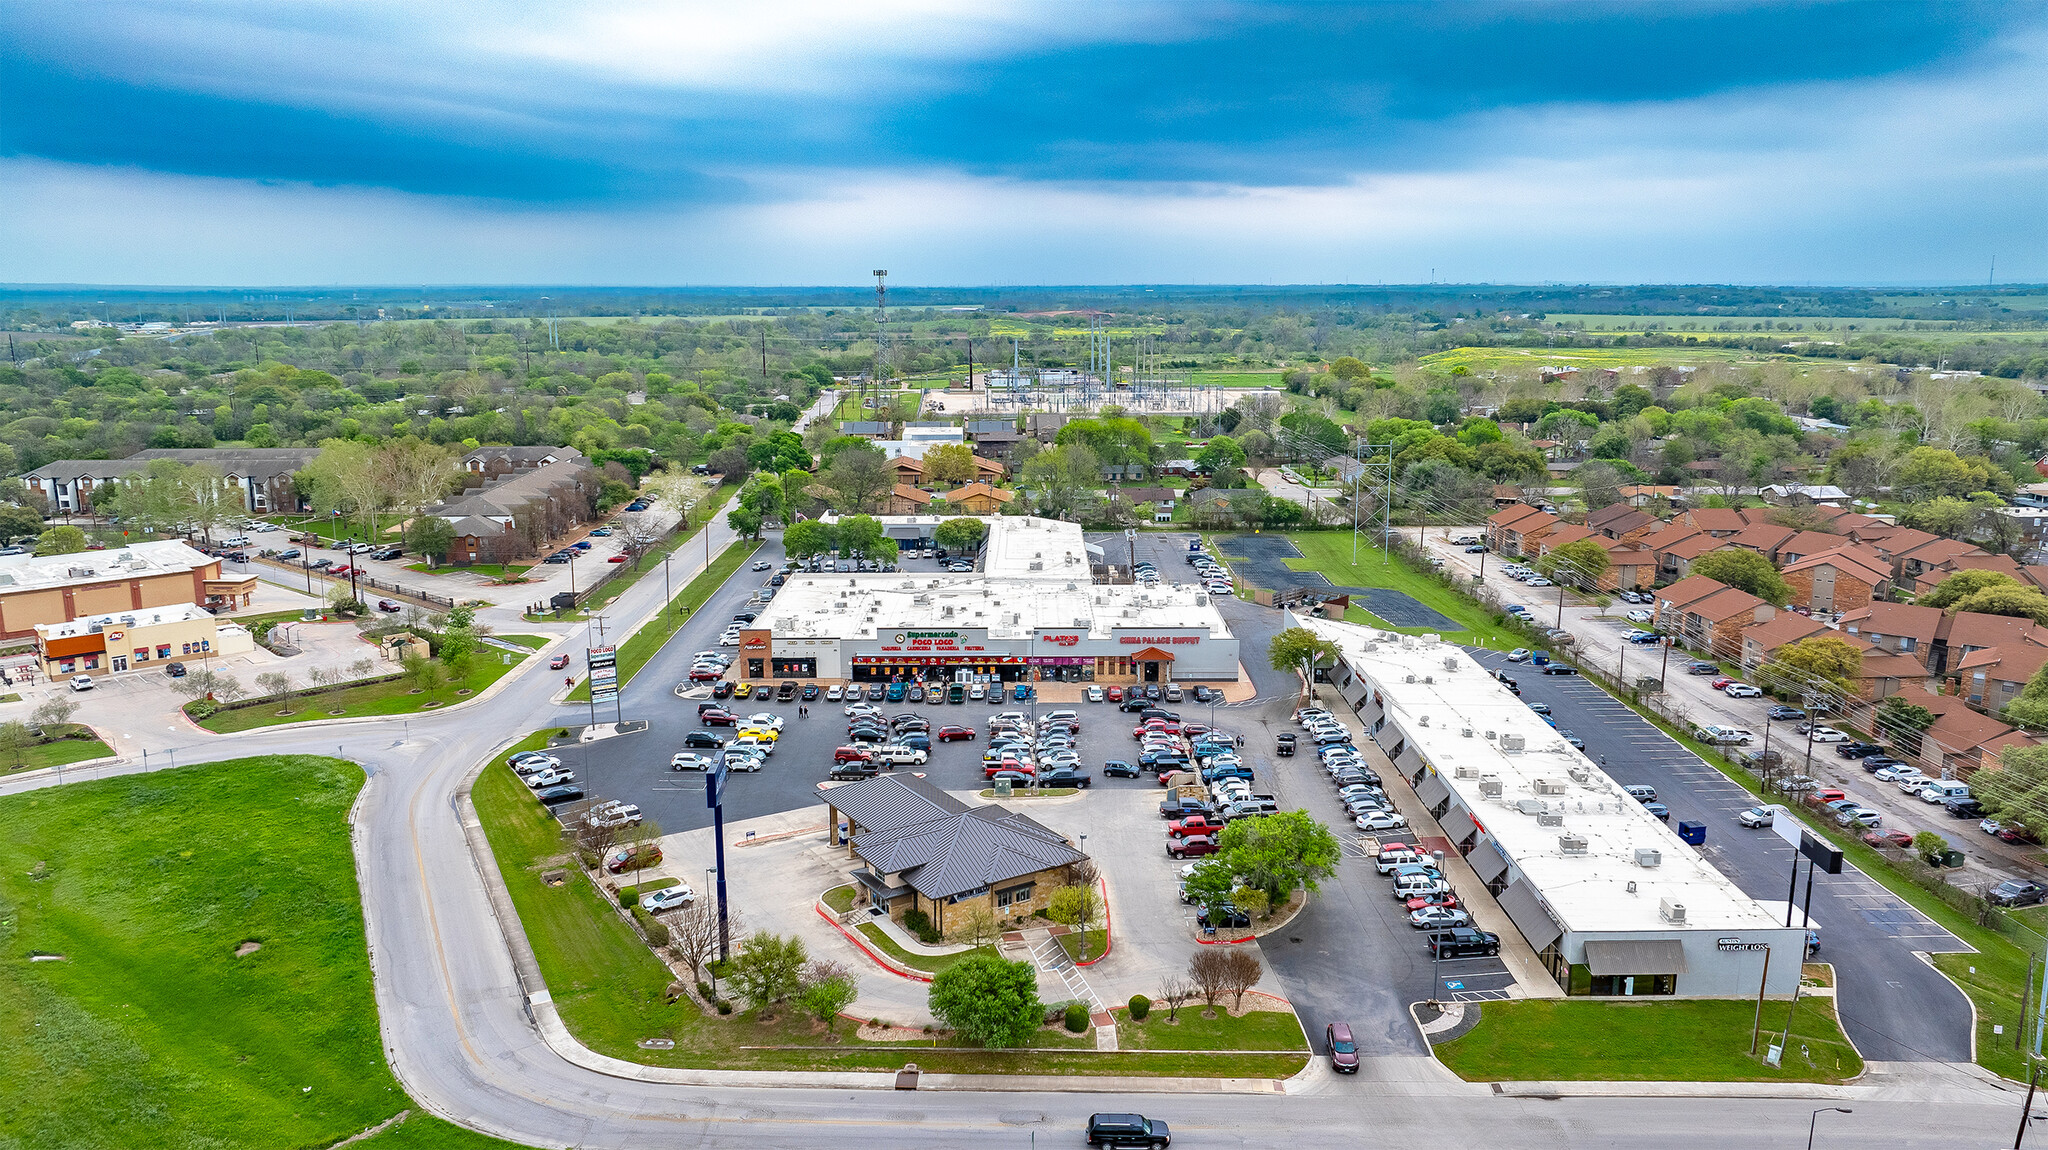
{"type": "Point", "coordinates": [641, 646]}
{"type": "Point", "coordinates": [613, 992]}
{"type": "Point", "coordinates": [400, 695]}
{"type": "Point", "coordinates": [1687, 1040]}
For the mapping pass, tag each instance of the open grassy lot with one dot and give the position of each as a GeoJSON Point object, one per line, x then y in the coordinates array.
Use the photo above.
{"type": "Point", "coordinates": [1330, 553]}
{"type": "Point", "coordinates": [487, 570]}
{"type": "Point", "coordinates": [610, 987]}
{"type": "Point", "coordinates": [642, 644]}
{"type": "Point", "coordinates": [393, 697]}
{"type": "Point", "coordinates": [1548, 1040]}
{"type": "Point", "coordinates": [58, 753]}
{"type": "Point", "coordinates": [929, 963]}
{"type": "Point", "coordinates": [1530, 358]}
{"type": "Point", "coordinates": [1252, 1030]}
{"type": "Point", "coordinates": [530, 642]}
{"type": "Point", "coordinates": [1234, 378]}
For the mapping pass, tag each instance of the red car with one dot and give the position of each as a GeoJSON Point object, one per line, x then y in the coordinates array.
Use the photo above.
{"type": "Point", "coordinates": [1898, 839]}
{"type": "Point", "coordinates": [718, 718]}
{"type": "Point", "coordinates": [705, 675]}
{"type": "Point", "coordinates": [1721, 682]}
{"type": "Point", "coordinates": [1446, 899]}
{"type": "Point", "coordinates": [956, 734]}
{"type": "Point", "coordinates": [850, 755]}
{"type": "Point", "coordinates": [558, 662]}
{"type": "Point", "coordinates": [616, 559]}
{"type": "Point", "coordinates": [1116, 694]}
{"type": "Point", "coordinates": [988, 770]}
{"type": "Point", "coordinates": [344, 569]}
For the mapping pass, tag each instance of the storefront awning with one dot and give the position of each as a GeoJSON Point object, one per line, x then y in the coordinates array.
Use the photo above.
{"type": "Point", "coordinates": [1432, 791]}
{"type": "Point", "coordinates": [1487, 862]}
{"type": "Point", "coordinates": [1635, 956]}
{"type": "Point", "coordinates": [1152, 655]}
{"type": "Point", "coordinates": [961, 660]}
{"type": "Point", "coordinates": [1535, 923]}
{"type": "Point", "coordinates": [1457, 825]}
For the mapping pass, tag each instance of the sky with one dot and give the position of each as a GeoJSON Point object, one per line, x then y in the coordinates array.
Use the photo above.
{"type": "Point", "coordinates": [1011, 142]}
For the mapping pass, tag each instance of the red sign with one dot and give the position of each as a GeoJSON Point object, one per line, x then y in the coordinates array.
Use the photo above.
{"type": "Point", "coordinates": [1165, 641]}
{"type": "Point", "coordinates": [1062, 640]}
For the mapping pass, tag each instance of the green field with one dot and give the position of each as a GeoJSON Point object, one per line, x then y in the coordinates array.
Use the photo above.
{"type": "Point", "coordinates": [150, 1032]}
{"type": "Point", "coordinates": [391, 697]}
{"type": "Point", "coordinates": [1234, 379]}
{"type": "Point", "coordinates": [1330, 553]}
{"type": "Point", "coordinates": [610, 988]}
{"type": "Point", "coordinates": [1529, 358]}
{"type": "Point", "coordinates": [59, 753]}
{"type": "Point", "coordinates": [1550, 1040]}
{"type": "Point", "coordinates": [1710, 324]}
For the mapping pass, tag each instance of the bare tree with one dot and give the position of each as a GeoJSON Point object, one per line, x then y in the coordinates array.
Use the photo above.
{"type": "Point", "coordinates": [55, 711]}
{"type": "Point", "coordinates": [1241, 972]}
{"type": "Point", "coordinates": [1207, 974]}
{"type": "Point", "coordinates": [1175, 992]}
{"type": "Point", "coordinates": [361, 668]}
{"type": "Point", "coordinates": [278, 683]}
{"type": "Point", "coordinates": [693, 933]}
{"type": "Point", "coordinates": [977, 927]}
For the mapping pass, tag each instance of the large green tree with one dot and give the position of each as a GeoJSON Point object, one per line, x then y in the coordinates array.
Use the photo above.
{"type": "Point", "coordinates": [988, 1000]}
{"type": "Point", "coordinates": [859, 478]}
{"type": "Point", "coordinates": [1746, 570]}
{"type": "Point", "coordinates": [431, 536]}
{"type": "Point", "coordinates": [1961, 585]}
{"type": "Point", "coordinates": [60, 541]}
{"type": "Point", "coordinates": [809, 537]}
{"type": "Point", "coordinates": [1300, 650]}
{"type": "Point", "coordinates": [960, 534]}
{"type": "Point", "coordinates": [2017, 792]}
{"type": "Point", "coordinates": [1812, 663]}
{"type": "Point", "coordinates": [1579, 563]}
{"type": "Point", "coordinates": [950, 463]}
{"type": "Point", "coordinates": [1279, 852]}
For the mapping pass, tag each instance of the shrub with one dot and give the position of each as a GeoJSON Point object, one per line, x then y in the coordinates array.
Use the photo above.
{"type": "Point", "coordinates": [704, 991]}
{"type": "Point", "coordinates": [202, 708]}
{"type": "Point", "coordinates": [629, 897]}
{"type": "Point", "coordinates": [657, 931]}
{"type": "Point", "coordinates": [724, 1006]}
{"type": "Point", "coordinates": [919, 923]}
{"type": "Point", "coordinates": [1077, 1017]}
{"type": "Point", "coordinates": [1140, 1007]}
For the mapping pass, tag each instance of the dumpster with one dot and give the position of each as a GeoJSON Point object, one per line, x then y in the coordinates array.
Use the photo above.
{"type": "Point", "coordinates": [1694, 833]}
{"type": "Point", "coordinates": [1951, 858]}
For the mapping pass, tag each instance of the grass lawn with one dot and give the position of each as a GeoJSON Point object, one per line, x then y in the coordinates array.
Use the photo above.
{"type": "Point", "coordinates": [1672, 1041]}
{"type": "Point", "coordinates": [1253, 1030]}
{"type": "Point", "coordinates": [393, 697]}
{"type": "Point", "coordinates": [423, 1131]}
{"type": "Point", "coordinates": [610, 987]}
{"type": "Point", "coordinates": [487, 570]}
{"type": "Point", "coordinates": [58, 753]}
{"type": "Point", "coordinates": [929, 963]}
{"type": "Point", "coordinates": [151, 1032]}
{"type": "Point", "coordinates": [1071, 943]}
{"type": "Point", "coordinates": [840, 898]}
{"type": "Point", "coordinates": [1330, 553]}
{"type": "Point", "coordinates": [530, 642]}
{"type": "Point", "coordinates": [642, 644]}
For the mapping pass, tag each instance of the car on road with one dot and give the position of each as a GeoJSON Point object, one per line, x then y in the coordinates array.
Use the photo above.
{"type": "Point", "coordinates": [1641, 792]}
{"type": "Point", "coordinates": [1127, 1130]}
{"type": "Point", "coordinates": [1343, 1048]}
{"type": "Point", "coordinates": [1438, 918]}
{"type": "Point", "coordinates": [289, 553]}
{"type": "Point", "coordinates": [388, 607]}
{"type": "Point", "coordinates": [718, 717]}
{"type": "Point", "coordinates": [2016, 892]}
{"type": "Point", "coordinates": [953, 733]}
{"type": "Point", "coordinates": [1658, 810]}
{"type": "Point", "coordinates": [1732, 736]}
{"type": "Point", "coordinates": [1463, 942]}
{"type": "Point", "coordinates": [613, 814]}
{"type": "Point", "coordinates": [175, 670]}
{"type": "Point", "coordinates": [761, 565]}
{"type": "Point", "coordinates": [667, 898]}
{"type": "Point", "coordinates": [1702, 668]}
{"type": "Point", "coordinates": [1556, 668]}
{"type": "Point", "coordinates": [1119, 769]}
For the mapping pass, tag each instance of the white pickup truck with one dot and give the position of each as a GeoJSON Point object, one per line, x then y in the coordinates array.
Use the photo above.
{"type": "Point", "coordinates": [900, 756]}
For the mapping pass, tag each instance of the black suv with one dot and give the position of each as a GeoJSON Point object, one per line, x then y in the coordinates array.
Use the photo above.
{"type": "Point", "coordinates": [1463, 942]}
{"type": "Point", "coordinates": [702, 739]}
{"type": "Point", "coordinates": [1127, 1130]}
{"type": "Point", "coordinates": [1858, 750]}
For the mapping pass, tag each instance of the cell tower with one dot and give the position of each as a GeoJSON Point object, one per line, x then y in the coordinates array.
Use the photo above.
{"type": "Point", "coordinates": [881, 336]}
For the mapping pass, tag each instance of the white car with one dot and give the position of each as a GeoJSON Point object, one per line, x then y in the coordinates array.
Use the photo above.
{"type": "Point", "coordinates": [753, 743]}
{"type": "Point", "coordinates": [1828, 735]}
{"type": "Point", "coordinates": [82, 683]}
{"type": "Point", "coordinates": [744, 759]}
{"type": "Point", "coordinates": [763, 719]}
{"type": "Point", "coordinates": [550, 778]}
{"type": "Point", "coordinates": [1538, 581]}
{"type": "Point", "coordinates": [1380, 821]}
{"type": "Point", "coordinates": [1642, 617]}
{"type": "Point", "coordinates": [1911, 784]}
{"type": "Point", "coordinates": [1741, 691]}
{"type": "Point", "coordinates": [667, 899]}
{"type": "Point", "coordinates": [613, 814]}
{"type": "Point", "coordinates": [687, 761]}
{"type": "Point", "coordinates": [853, 709]}
{"type": "Point", "coordinates": [832, 693]}
{"type": "Point", "coordinates": [729, 639]}
{"type": "Point", "coordinates": [1095, 694]}
{"type": "Point", "coordinates": [1734, 735]}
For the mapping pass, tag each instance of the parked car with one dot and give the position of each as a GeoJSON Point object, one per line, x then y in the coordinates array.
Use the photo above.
{"type": "Point", "coordinates": [1757, 817]}
{"type": "Point", "coordinates": [1438, 918]}
{"type": "Point", "coordinates": [1518, 655]}
{"type": "Point", "coordinates": [1226, 915]}
{"type": "Point", "coordinates": [1781, 712]}
{"type": "Point", "coordinates": [2016, 892]}
{"type": "Point", "coordinates": [703, 739]}
{"type": "Point", "coordinates": [639, 856]}
{"type": "Point", "coordinates": [82, 683]}
{"type": "Point", "coordinates": [175, 670]}
{"type": "Point", "coordinates": [1463, 942]}
{"type": "Point", "coordinates": [690, 761]}
{"type": "Point", "coordinates": [1197, 845]}
{"type": "Point", "coordinates": [566, 793]}
{"type": "Point", "coordinates": [667, 899]}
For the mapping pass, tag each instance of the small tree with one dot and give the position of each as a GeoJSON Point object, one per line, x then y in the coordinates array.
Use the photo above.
{"type": "Point", "coordinates": [1579, 563]}
{"type": "Point", "coordinates": [1930, 846]}
{"type": "Point", "coordinates": [693, 933]}
{"type": "Point", "coordinates": [422, 672]}
{"type": "Point", "coordinates": [56, 711]}
{"type": "Point", "coordinates": [361, 668]}
{"type": "Point", "coordinates": [988, 1000]}
{"type": "Point", "coordinates": [227, 688]}
{"type": "Point", "coordinates": [277, 683]}
{"type": "Point", "coordinates": [768, 968]}
{"type": "Point", "coordinates": [827, 988]}
{"type": "Point", "coordinates": [1241, 972]}
{"type": "Point", "coordinates": [1207, 975]}
{"type": "Point", "coordinates": [1076, 906]}
{"type": "Point", "coordinates": [976, 926]}
{"type": "Point", "coordinates": [1175, 992]}
{"type": "Point", "coordinates": [1746, 571]}
{"type": "Point", "coordinates": [15, 742]}
{"type": "Point", "coordinates": [1300, 649]}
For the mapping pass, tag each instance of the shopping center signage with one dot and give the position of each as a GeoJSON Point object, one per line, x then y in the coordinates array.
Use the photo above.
{"type": "Point", "coordinates": [939, 642]}
{"type": "Point", "coordinates": [1061, 640]}
{"type": "Point", "coordinates": [1159, 640]}
{"type": "Point", "coordinates": [1738, 944]}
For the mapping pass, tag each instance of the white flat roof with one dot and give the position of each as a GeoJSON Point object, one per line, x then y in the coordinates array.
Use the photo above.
{"type": "Point", "coordinates": [860, 606]}
{"type": "Point", "coordinates": [145, 617]}
{"type": "Point", "coordinates": [1458, 723]}
{"type": "Point", "coordinates": [1030, 546]}
{"type": "Point", "coordinates": [164, 557]}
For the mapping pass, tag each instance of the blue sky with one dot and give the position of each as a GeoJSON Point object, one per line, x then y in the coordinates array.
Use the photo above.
{"type": "Point", "coordinates": [998, 142]}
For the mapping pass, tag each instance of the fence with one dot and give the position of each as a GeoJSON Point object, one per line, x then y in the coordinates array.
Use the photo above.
{"type": "Point", "coordinates": [375, 584]}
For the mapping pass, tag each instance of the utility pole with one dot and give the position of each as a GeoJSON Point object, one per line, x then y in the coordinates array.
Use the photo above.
{"type": "Point", "coordinates": [881, 333]}
{"type": "Point", "coordinates": [764, 359]}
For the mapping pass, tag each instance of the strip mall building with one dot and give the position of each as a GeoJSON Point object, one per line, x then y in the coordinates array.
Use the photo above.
{"type": "Point", "coordinates": [1035, 614]}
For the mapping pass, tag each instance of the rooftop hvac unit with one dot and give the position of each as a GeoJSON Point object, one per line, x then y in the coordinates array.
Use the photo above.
{"type": "Point", "coordinates": [1201, 600]}
{"type": "Point", "coordinates": [948, 613]}
{"type": "Point", "coordinates": [1409, 679]}
{"type": "Point", "coordinates": [1578, 774]}
{"type": "Point", "coordinates": [1570, 843]}
{"type": "Point", "coordinates": [1035, 565]}
{"type": "Point", "coordinates": [1408, 644]}
{"type": "Point", "coordinates": [1429, 678]}
{"type": "Point", "coordinates": [1548, 786]}
{"type": "Point", "coordinates": [1549, 820]}
{"type": "Point", "coordinates": [1512, 742]}
{"type": "Point", "coordinates": [1531, 806]}
{"type": "Point", "coordinates": [95, 629]}
{"type": "Point", "coordinates": [1491, 734]}
{"type": "Point", "coordinates": [1489, 788]}
{"type": "Point", "coordinates": [1450, 663]}
{"type": "Point", "coordinates": [1464, 772]}
{"type": "Point", "coordinates": [1649, 857]}
{"type": "Point", "coordinates": [1070, 587]}
{"type": "Point", "coordinates": [1423, 720]}
{"type": "Point", "coordinates": [1465, 731]}
{"type": "Point", "coordinates": [1671, 911]}
{"type": "Point", "coordinates": [1082, 622]}
{"type": "Point", "coordinates": [921, 600]}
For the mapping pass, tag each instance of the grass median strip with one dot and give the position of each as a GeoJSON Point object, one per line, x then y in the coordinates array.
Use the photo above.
{"type": "Point", "coordinates": [642, 644]}
{"type": "Point", "coordinates": [391, 697]}
{"type": "Point", "coordinates": [928, 963]}
{"type": "Point", "coordinates": [1703, 1040]}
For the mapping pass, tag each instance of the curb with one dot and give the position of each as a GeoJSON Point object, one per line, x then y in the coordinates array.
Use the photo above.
{"type": "Point", "coordinates": [1108, 939]}
{"type": "Point", "coordinates": [885, 963]}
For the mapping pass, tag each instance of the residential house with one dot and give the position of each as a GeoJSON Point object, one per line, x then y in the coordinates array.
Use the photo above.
{"type": "Point", "coordinates": [1708, 615]}
{"type": "Point", "coordinates": [1965, 632]}
{"type": "Point", "coordinates": [872, 429]}
{"type": "Point", "coordinates": [1507, 494]}
{"type": "Point", "coordinates": [1891, 540]}
{"type": "Point", "coordinates": [907, 500]}
{"type": "Point", "coordinates": [1959, 743]}
{"type": "Point", "coordinates": [1644, 494]}
{"type": "Point", "coordinates": [997, 445]}
{"type": "Point", "coordinates": [1517, 532]}
{"type": "Point", "coordinates": [1124, 472]}
{"type": "Point", "coordinates": [922, 849]}
{"type": "Point", "coordinates": [1675, 556]}
{"type": "Point", "coordinates": [989, 471]}
{"type": "Point", "coordinates": [1622, 522]}
{"type": "Point", "coordinates": [978, 499]}
{"type": "Point", "coordinates": [1800, 494]}
{"type": "Point", "coordinates": [498, 518]}
{"type": "Point", "coordinates": [1884, 674]}
{"type": "Point", "coordinates": [495, 460]}
{"type": "Point", "coordinates": [1991, 677]}
{"type": "Point", "coordinates": [1810, 543]}
{"type": "Point", "coordinates": [1630, 566]}
{"type": "Point", "coordinates": [908, 471]}
{"type": "Point", "coordinates": [1900, 628]}
{"type": "Point", "coordinates": [1848, 578]}
{"type": "Point", "coordinates": [976, 428]}
{"type": "Point", "coordinates": [1180, 468]}
{"type": "Point", "coordinates": [2031, 521]}
{"type": "Point", "coordinates": [1760, 640]}
{"type": "Point", "coordinates": [1720, 522]}
{"type": "Point", "coordinates": [1045, 425]}
{"type": "Point", "coordinates": [260, 477]}
{"type": "Point", "coordinates": [1931, 555]}
{"type": "Point", "coordinates": [1762, 538]}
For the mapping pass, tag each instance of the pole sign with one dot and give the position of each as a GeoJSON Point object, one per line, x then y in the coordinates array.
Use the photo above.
{"type": "Point", "coordinates": [714, 790]}
{"type": "Point", "coordinates": [604, 673]}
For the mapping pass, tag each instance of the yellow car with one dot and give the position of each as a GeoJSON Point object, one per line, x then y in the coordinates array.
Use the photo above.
{"type": "Point", "coordinates": [764, 734]}
{"type": "Point", "coordinates": [742, 690]}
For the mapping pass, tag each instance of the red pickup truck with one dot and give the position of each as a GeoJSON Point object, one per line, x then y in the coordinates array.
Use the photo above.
{"type": "Point", "coordinates": [988, 770]}
{"type": "Point", "coordinates": [1181, 847]}
{"type": "Point", "coordinates": [1195, 825]}
{"type": "Point", "coordinates": [851, 755]}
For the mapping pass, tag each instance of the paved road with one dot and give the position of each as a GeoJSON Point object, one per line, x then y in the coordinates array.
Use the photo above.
{"type": "Point", "coordinates": [459, 1036]}
{"type": "Point", "coordinates": [1894, 1005]}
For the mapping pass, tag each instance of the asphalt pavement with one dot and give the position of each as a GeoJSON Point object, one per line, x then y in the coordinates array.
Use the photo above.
{"type": "Point", "coordinates": [1894, 1005]}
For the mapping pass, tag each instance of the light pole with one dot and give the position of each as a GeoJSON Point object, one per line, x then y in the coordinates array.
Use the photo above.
{"type": "Point", "coordinates": [1815, 1120]}
{"type": "Point", "coordinates": [1085, 922]}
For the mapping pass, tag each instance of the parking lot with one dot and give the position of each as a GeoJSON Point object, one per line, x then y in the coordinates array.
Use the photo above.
{"type": "Point", "coordinates": [1894, 1006]}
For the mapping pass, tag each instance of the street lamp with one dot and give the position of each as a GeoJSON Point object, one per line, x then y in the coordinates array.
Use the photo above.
{"type": "Point", "coordinates": [1812, 1122]}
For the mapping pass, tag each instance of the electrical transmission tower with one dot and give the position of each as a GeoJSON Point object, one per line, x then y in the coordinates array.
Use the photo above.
{"type": "Point", "coordinates": [881, 338]}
